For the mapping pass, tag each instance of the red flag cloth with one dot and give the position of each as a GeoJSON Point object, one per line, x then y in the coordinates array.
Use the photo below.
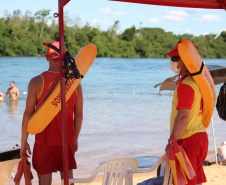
{"type": "Point", "coordinates": [183, 159]}
{"type": "Point", "coordinates": [24, 167]}
{"type": "Point", "coordinates": [180, 164]}
{"type": "Point", "coordinates": [179, 177]}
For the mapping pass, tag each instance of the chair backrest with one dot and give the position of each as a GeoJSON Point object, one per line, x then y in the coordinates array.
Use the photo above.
{"type": "Point", "coordinates": [115, 171]}
{"type": "Point", "coordinates": [168, 179]}
{"type": "Point", "coordinates": [164, 171]}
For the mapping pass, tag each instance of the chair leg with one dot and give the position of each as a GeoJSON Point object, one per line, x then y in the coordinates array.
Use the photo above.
{"type": "Point", "coordinates": [129, 180]}
{"type": "Point", "coordinates": [13, 175]}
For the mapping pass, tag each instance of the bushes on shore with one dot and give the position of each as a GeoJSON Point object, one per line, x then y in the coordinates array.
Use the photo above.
{"type": "Point", "coordinates": [22, 35]}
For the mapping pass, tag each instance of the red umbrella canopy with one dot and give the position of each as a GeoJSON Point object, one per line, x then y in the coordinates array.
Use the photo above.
{"type": "Point", "coordinates": [211, 4]}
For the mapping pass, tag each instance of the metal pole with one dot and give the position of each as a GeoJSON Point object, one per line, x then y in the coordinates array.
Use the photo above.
{"type": "Point", "coordinates": [214, 141]}
{"type": "Point", "coordinates": [63, 94]}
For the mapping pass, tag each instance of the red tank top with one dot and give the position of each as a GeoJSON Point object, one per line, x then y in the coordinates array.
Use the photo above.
{"type": "Point", "coordinates": [52, 134]}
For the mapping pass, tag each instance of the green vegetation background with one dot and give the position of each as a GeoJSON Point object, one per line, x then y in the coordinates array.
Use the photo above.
{"type": "Point", "coordinates": [23, 35]}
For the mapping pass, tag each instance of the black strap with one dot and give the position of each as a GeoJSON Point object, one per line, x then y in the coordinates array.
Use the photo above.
{"type": "Point", "coordinates": [70, 68]}
{"type": "Point", "coordinates": [199, 72]}
{"type": "Point", "coordinates": [54, 48]}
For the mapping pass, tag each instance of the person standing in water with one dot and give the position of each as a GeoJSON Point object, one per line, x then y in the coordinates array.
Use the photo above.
{"type": "Point", "coordinates": [12, 91]}
{"type": "Point", "coordinates": [1, 98]}
{"type": "Point", "coordinates": [48, 150]}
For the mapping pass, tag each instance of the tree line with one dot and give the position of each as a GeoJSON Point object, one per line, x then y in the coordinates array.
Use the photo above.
{"type": "Point", "coordinates": [23, 35]}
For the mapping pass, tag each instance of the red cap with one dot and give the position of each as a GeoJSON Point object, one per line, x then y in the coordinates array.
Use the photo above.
{"type": "Point", "coordinates": [50, 51]}
{"type": "Point", "coordinates": [175, 52]}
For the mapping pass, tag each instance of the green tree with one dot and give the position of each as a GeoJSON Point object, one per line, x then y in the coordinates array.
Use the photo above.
{"type": "Point", "coordinates": [42, 17]}
{"type": "Point", "coordinates": [129, 34]}
{"type": "Point", "coordinates": [114, 30]}
{"type": "Point", "coordinates": [20, 36]}
{"type": "Point", "coordinates": [223, 35]}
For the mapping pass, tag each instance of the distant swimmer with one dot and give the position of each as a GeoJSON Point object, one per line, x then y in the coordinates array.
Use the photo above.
{"type": "Point", "coordinates": [1, 97]}
{"type": "Point", "coordinates": [12, 91]}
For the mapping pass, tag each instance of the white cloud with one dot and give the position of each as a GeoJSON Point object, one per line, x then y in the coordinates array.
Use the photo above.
{"type": "Point", "coordinates": [155, 20]}
{"type": "Point", "coordinates": [175, 15]}
{"type": "Point", "coordinates": [210, 18]}
{"type": "Point", "coordinates": [119, 13]}
{"type": "Point", "coordinates": [105, 10]}
{"type": "Point", "coordinates": [172, 18]}
{"type": "Point", "coordinates": [108, 11]}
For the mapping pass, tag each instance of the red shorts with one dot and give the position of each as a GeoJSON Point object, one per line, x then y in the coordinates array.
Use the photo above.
{"type": "Point", "coordinates": [196, 148]}
{"type": "Point", "coordinates": [48, 159]}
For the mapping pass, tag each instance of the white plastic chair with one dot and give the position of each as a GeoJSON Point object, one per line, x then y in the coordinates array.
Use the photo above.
{"type": "Point", "coordinates": [115, 171]}
{"type": "Point", "coordinates": [164, 171]}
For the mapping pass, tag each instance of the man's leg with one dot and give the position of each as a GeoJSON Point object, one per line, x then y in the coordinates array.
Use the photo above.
{"type": "Point", "coordinates": [45, 179]}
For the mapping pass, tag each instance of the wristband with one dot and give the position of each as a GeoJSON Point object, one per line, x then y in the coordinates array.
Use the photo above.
{"type": "Point", "coordinates": [170, 142]}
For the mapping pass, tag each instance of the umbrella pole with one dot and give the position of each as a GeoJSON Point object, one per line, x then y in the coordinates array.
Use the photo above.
{"type": "Point", "coordinates": [214, 141]}
{"type": "Point", "coordinates": [61, 4]}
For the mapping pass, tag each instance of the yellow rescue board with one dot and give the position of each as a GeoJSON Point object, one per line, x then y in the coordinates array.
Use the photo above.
{"type": "Point", "coordinates": [52, 105]}
{"type": "Point", "coordinates": [193, 63]}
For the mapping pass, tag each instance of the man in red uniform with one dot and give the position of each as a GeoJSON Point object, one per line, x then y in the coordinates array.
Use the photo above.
{"type": "Point", "coordinates": [47, 152]}
{"type": "Point", "coordinates": [186, 118]}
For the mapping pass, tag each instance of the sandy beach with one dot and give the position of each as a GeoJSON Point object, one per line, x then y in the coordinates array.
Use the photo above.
{"type": "Point", "coordinates": [216, 175]}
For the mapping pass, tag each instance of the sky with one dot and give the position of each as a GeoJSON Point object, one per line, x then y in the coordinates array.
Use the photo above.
{"type": "Point", "coordinates": [103, 14]}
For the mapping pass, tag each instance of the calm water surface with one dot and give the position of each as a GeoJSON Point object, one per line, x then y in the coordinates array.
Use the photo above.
{"type": "Point", "coordinates": [124, 115]}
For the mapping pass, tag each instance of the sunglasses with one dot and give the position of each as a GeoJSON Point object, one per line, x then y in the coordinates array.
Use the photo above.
{"type": "Point", "coordinates": [175, 58]}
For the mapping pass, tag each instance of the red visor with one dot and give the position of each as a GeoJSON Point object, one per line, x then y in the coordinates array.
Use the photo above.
{"type": "Point", "coordinates": [175, 52]}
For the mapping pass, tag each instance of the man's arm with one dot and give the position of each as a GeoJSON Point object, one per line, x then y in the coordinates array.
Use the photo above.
{"type": "Point", "coordinates": [78, 113]}
{"type": "Point", "coordinates": [180, 123]}
{"type": "Point", "coordinates": [29, 110]}
{"type": "Point", "coordinates": [4, 95]}
{"type": "Point", "coordinates": [17, 93]}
